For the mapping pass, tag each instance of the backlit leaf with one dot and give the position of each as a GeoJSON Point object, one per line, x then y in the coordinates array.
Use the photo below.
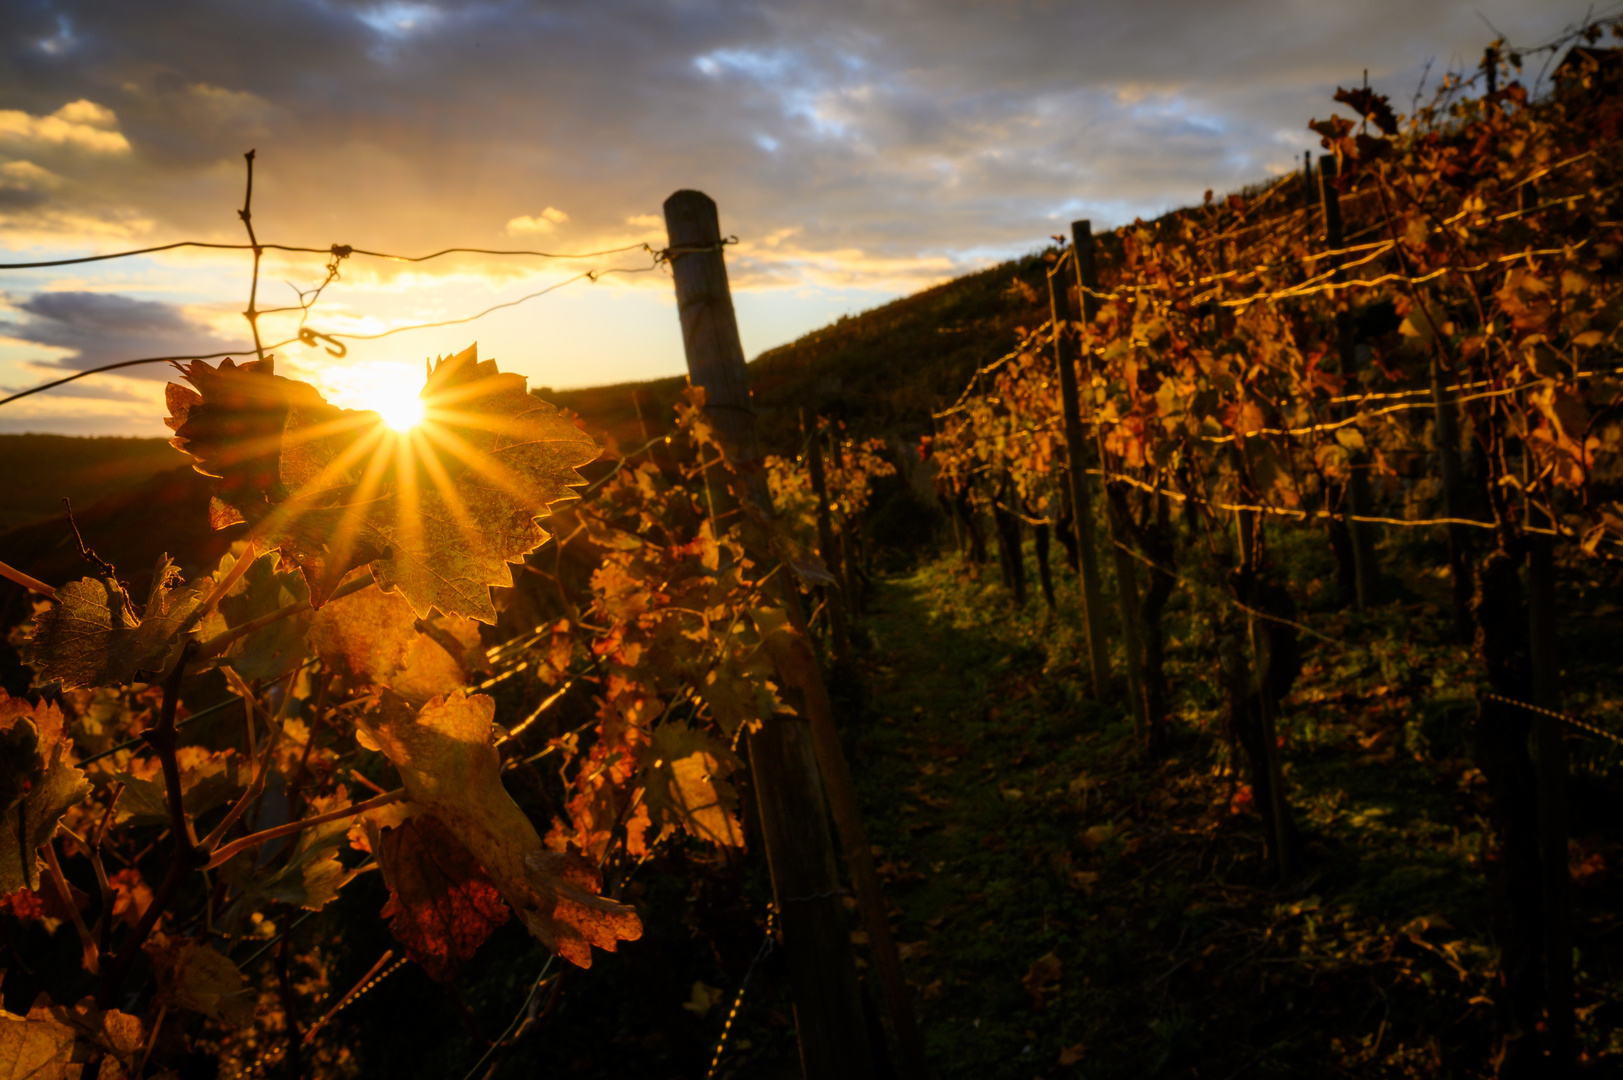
{"type": "Point", "coordinates": [442, 905]}
{"type": "Point", "coordinates": [438, 511]}
{"type": "Point", "coordinates": [38, 784]}
{"type": "Point", "coordinates": [448, 762]}
{"type": "Point", "coordinates": [36, 1047]}
{"type": "Point", "coordinates": [198, 978]}
{"type": "Point", "coordinates": [687, 785]}
{"type": "Point", "coordinates": [91, 637]}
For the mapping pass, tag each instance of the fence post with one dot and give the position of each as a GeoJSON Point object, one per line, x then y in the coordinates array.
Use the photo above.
{"type": "Point", "coordinates": [825, 534]}
{"type": "Point", "coordinates": [1087, 560]}
{"type": "Point", "coordinates": [787, 752]}
{"type": "Point", "coordinates": [1365, 571]}
{"type": "Point", "coordinates": [1561, 1038]}
{"type": "Point", "coordinates": [1087, 280]}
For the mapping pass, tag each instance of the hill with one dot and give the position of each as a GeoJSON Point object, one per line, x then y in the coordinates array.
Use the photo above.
{"type": "Point", "coordinates": [881, 372]}
{"type": "Point", "coordinates": [41, 469]}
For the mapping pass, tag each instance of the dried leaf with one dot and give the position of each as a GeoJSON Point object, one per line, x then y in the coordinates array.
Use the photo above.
{"type": "Point", "coordinates": [38, 784]}
{"type": "Point", "coordinates": [196, 977]}
{"type": "Point", "coordinates": [449, 764]}
{"type": "Point", "coordinates": [1042, 978]}
{"type": "Point", "coordinates": [442, 905]}
{"type": "Point", "coordinates": [90, 636]}
{"type": "Point", "coordinates": [36, 1047]}
{"type": "Point", "coordinates": [686, 785]}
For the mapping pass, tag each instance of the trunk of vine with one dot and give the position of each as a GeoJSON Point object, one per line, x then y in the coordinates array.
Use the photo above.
{"type": "Point", "coordinates": [1009, 545]}
{"type": "Point", "coordinates": [1040, 535]}
{"type": "Point", "coordinates": [1156, 540]}
{"type": "Point", "coordinates": [1341, 546]}
{"type": "Point", "coordinates": [963, 508]}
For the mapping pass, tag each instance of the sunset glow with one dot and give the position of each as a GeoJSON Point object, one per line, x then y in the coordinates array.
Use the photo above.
{"type": "Point", "coordinates": [402, 411]}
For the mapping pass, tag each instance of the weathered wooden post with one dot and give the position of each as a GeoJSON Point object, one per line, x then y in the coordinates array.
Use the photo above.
{"type": "Point", "coordinates": [825, 534]}
{"type": "Point", "coordinates": [1548, 739]}
{"type": "Point", "coordinates": [787, 753]}
{"type": "Point", "coordinates": [1087, 559]}
{"type": "Point", "coordinates": [1087, 282]}
{"type": "Point", "coordinates": [1365, 571]}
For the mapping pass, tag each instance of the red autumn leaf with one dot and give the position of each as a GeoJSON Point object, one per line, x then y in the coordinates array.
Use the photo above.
{"type": "Point", "coordinates": [442, 905]}
{"type": "Point", "coordinates": [447, 760]}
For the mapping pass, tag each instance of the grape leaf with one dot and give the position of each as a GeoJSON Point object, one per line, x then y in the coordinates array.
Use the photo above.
{"type": "Point", "coordinates": [36, 1047]}
{"type": "Point", "coordinates": [449, 765]}
{"type": "Point", "coordinates": [197, 977]}
{"type": "Point", "coordinates": [373, 638]}
{"type": "Point", "coordinates": [442, 905]}
{"type": "Point", "coordinates": [273, 650]}
{"type": "Point", "coordinates": [687, 784]}
{"type": "Point", "coordinates": [311, 875]}
{"type": "Point", "coordinates": [439, 511]}
{"type": "Point", "coordinates": [231, 424]}
{"type": "Point", "coordinates": [208, 778]}
{"type": "Point", "coordinates": [92, 637]}
{"type": "Point", "coordinates": [117, 1033]}
{"type": "Point", "coordinates": [38, 784]}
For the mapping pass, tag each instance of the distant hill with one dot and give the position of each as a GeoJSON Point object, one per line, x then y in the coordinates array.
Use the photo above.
{"type": "Point", "coordinates": [882, 371]}
{"type": "Point", "coordinates": [40, 469]}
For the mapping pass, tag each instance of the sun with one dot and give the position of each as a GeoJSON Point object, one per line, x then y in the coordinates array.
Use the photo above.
{"type": "Point", "coordinates": [400, 407]}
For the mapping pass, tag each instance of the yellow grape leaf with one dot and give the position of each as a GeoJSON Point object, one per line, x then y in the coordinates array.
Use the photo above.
{"type": "Point", "coordinates": [198, 978]}
{"type": "Point", "coordinates": [208, 778]}
{"type": "Point", "coordinates": [687, 784]}
{"type": "Point", "coordinates": [118, 1033]}
{"type": "Point", "coordinates": [373, 637]}
{"type": "Point", "coordinates": [38, 784]}
{"type": "Point", "coordinates": [438, 511]}
{"type": "Point", "coordinates": [448, 762]}
{"type": "Point", "coordinates": [310, 876]}
{"type": "Point", "coordinates": [37, 1046]}
{"type": "Point", "coordinates": [266, 587]}
{"type": "Point", "coordinates": [92, 636]}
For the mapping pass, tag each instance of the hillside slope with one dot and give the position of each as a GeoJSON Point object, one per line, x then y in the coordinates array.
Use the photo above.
{"type": "Point", "coordinates": [882, 371]}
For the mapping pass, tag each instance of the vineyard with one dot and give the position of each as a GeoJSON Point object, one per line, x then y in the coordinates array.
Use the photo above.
{"type": "Point", "coordinates": [735, 737]}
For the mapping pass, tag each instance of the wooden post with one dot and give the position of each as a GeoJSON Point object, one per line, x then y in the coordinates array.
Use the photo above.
{"type": "Point", "coordinates": [1446, 434]}
{"type": "Point", "coordinates": [1087, 560]}
{"type": "Point", "coordinates": [1363, 547]}
{"type": "Point", "coordinates": [1560, 1024]}
{"type": "Point", "coordinates": [787, 752]}
{"type": "Point", "coordinates": [825, 534]}
{"type": "Point", "coordinates": [1284, 854]}
{"type": "Point", "coordinates": [1087, 280]}
{"type": "Point", "coordinates": [1308, 196]}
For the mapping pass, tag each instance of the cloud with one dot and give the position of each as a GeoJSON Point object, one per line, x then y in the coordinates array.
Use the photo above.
{"type": "Point", "coordinates": [24, 184]}
{"type": "Point", "coordinates": [893, 127]}
{"type": "Point", "coordinates": [545, 222]}
{"type": "Point", "coordinates": [79, 125]}
{"type": "Point", "coordinates": [95, 329]}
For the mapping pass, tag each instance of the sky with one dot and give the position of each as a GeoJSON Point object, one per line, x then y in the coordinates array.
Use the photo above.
{"type": "Point", "coordinates": [860, 150]}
